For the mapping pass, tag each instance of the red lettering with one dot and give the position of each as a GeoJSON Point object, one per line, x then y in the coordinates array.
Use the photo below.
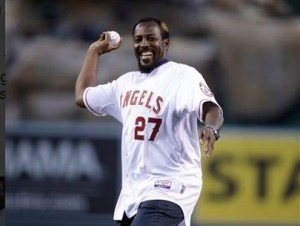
{"type": "Point", "coordinates": [142, 97]}
{"type": "Point", "coordinates": [126, 99]}
{"type": "Point", "coordinates": [147, 105]}
{"type": "Point", "coordinates": [134, 97]}
{"type": "Point", "coordinates": [157, 108]}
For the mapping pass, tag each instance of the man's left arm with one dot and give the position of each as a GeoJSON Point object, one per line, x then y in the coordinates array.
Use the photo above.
{"type": "Point", "coordinates": [213, 121]}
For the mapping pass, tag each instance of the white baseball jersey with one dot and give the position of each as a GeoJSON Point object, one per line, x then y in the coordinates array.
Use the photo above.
{"type": "Point", "coordinates": [160, 146]}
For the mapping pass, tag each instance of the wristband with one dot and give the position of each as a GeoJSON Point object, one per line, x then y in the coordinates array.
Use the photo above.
{"type": "Point", "coordinates": [215, 131]}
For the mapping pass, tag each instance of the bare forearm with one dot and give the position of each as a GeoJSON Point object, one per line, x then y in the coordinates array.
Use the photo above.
{"type": "Point", "coordinates": [213, 115]}
{"type": "Point", "coordinates": [88, 75]}
{"type": "Point", "coordinates": [213, 120]}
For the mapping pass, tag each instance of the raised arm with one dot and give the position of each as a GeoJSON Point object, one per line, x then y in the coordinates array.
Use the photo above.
{"type": "Point", "coordinates": [88, 73]}
{"type": "Point", "coordinates": [213, 121]}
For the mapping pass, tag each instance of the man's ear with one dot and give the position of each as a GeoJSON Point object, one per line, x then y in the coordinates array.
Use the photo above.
{"type": "Point", "coordinates": [167, 44]}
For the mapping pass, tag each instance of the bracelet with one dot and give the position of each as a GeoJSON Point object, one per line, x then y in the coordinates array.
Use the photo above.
{"type": "Point", "coordinates": [215, 131]}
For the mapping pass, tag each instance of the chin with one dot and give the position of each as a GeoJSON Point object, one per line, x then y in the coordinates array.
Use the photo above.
{"type": "Point", "coordinates": [145, 65]}
{"type": "Point", "coordinates": [146, 68]}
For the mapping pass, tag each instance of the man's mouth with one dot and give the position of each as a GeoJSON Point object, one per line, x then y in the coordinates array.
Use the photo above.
{"type": "Point", "coordinates": [146, 55]}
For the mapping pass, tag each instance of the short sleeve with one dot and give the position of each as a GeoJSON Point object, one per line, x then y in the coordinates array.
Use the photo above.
{"type": "Point", "coordinates": [102, 100]}
{"type": "Point", "coordinates": [193, 93]}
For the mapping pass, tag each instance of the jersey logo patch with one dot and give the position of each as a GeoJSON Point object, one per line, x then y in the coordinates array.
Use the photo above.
{"type": "Point", "coordinates": [163, 184]}
{"type": "Point", "coordinates": [205, 90]}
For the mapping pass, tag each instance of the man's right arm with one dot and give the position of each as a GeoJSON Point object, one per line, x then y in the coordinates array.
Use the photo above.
{"type": "Point", "coordinates": [88, 73]}
{"type": "Point", "coordinates": [87, 76]}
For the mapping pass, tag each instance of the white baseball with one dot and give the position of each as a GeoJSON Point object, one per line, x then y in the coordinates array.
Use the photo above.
{"type": "Point", "coordinates": [114, 37]}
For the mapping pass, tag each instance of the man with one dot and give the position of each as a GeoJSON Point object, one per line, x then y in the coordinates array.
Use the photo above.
{"type": "Point", "coordinates": [158, 106]}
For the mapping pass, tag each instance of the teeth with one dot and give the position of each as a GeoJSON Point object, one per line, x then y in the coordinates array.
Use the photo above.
{"type": "Point", "coordinates": [146, 53]}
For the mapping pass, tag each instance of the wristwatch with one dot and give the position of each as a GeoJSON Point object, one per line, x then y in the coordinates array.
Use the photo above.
{"type": "Point", "coordinates": [215, 131]}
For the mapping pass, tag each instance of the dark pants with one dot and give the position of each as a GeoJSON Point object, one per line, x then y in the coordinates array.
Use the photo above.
{"type": "Point", "coordinates": [154, 213]}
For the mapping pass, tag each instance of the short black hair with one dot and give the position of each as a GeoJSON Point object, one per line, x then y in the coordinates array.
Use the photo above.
{"type": "Point", "coordinates": [162, 25]}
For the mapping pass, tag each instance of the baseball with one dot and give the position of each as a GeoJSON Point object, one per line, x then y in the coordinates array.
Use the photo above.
{"type": "Point", "coordinates": [114, 37]}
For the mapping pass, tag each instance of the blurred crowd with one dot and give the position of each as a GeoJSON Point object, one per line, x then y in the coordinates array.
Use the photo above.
{"type": "Point", "coordinates": [247, 50]}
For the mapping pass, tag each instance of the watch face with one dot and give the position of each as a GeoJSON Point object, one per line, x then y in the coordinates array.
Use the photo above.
{"type": "Point", "coordinates": [217, 135]}
{"type": "Point", "coordinates": [215, 131]}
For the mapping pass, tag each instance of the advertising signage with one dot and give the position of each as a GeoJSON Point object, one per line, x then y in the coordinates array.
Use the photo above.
{"type": "Point", "coordinates": [57, 169]}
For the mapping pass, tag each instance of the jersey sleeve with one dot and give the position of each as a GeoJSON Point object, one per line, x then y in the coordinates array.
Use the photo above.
{"type": "Point", "coordinates": [193, 93]}
{"type": "Point", "coordinates": [102, 100]}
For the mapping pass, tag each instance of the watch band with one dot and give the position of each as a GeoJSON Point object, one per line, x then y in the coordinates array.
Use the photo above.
{"type": "Point", "coordinates": [215, 131]}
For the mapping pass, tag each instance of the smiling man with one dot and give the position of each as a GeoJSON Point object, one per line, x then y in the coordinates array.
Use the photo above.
{"type": "Point", "coordinates": [151, 44]}
{"type": "Point", "coordinates": [159, 107]}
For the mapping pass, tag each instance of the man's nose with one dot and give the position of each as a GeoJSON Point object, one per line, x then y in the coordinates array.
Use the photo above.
{"type": "Point", "coordinates": [144, 42]}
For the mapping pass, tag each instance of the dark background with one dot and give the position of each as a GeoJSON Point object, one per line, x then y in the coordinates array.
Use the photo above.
{"type": "Point", "coordinates": [247, 50]}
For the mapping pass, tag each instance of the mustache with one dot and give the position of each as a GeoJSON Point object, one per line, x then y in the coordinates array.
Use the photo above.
{"type": "Point", "coordinates": [143, 49]}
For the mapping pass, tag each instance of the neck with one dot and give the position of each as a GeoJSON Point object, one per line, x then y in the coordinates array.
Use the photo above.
{"type": "Point", "coordinates": [156, 65]}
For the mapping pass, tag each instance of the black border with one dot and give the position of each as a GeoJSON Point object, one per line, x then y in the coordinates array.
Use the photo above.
{"type": "Point", "coordinates": [2, 105]}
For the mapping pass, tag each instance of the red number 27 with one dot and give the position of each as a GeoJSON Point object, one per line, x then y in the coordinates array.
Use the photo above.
{"type": "Point", "coordinates": [140, 125]}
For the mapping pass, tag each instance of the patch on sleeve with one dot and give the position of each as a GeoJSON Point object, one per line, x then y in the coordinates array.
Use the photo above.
{"type": "Point", "coordinates": [205, 90]}
{"type": "Point", "coordinates": [163, 184]}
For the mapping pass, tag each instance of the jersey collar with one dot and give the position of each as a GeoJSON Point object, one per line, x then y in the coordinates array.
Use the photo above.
{"type": "Point", "coordinates": [159, 63]}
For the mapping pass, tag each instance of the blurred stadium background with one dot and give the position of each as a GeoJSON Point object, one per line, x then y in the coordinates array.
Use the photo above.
{"type": "Point", "coordinates": [62, 164]}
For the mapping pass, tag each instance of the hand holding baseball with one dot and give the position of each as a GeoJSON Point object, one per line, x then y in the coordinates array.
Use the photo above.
{"type": "Point", "coordinates": [108, 41]}
{"type": "Point", "coordinates": [114, 38]}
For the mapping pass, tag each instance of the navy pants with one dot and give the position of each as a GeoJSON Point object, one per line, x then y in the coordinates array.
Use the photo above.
{"type": "Point", "coordinates": [154, 213]}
